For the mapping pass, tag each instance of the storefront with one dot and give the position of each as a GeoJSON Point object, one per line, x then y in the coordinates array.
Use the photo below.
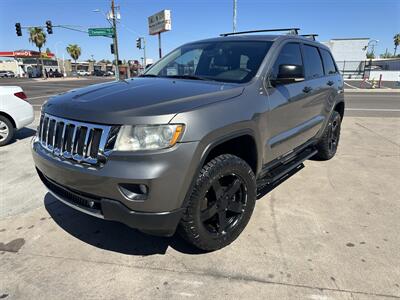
{"type": "Point", "coordinates": [27, 63]}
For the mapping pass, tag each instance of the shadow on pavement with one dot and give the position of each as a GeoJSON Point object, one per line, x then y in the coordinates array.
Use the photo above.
{"type": "Point", "coordinates": [23, 134]}
{"type": "Point", "coordinates": [109, 235]}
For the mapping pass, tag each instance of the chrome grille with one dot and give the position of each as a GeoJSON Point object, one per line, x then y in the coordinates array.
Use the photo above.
{"type": "Point", "coordinates": [73, 140]}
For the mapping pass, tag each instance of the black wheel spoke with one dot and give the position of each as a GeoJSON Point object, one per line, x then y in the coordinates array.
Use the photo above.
{"type": "Point", "coordinates": [223, 221]}
{"type": "Point", "coordinates": [235, 206]}
{"type": "Point", "coordinates": [209, 213]}
{"type": "Point", "coordinates": [218, 190]}
{"type": "Point", "coordinates": [233, 188]}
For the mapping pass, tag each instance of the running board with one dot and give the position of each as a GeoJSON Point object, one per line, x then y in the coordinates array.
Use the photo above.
{"type": "Point", "coordinates": [277, 173]}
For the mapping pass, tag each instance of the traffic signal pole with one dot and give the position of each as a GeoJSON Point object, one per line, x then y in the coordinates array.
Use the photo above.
{"type": "Point", "coordinates": [116, 56]}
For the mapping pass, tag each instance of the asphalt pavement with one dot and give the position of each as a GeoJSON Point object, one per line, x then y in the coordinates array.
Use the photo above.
{"type": "Point", "coordinates": [331, 231]}
{"type": "Point", "coordinates": [368, 103]}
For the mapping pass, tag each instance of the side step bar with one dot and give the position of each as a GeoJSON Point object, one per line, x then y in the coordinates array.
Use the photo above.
{"type": "Point", "coordinates": [286, 168]}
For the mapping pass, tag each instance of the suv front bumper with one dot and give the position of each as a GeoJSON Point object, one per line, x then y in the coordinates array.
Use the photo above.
{"type": "Point", "coordinates": [96, 191]}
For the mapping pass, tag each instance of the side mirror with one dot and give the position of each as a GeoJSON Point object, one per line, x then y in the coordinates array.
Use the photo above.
{"type": "Point", "coordinates": [288, 74]}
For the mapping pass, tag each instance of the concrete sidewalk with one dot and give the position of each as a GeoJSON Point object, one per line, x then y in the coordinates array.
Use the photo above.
{"type": "Point", "coordinates": [331, 231]}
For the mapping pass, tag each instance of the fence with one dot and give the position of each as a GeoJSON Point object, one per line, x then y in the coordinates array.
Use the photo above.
{"type": "Point", "coordinates": [360, 69]}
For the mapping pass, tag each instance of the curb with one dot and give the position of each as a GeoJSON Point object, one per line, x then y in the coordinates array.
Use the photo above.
{"type": "Point", "coordinates": [372, 91]}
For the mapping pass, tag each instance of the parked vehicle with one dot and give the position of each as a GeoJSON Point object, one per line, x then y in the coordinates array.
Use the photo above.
{"type": "Point", "coordinates": [5, 74]}
{"type": "Point", "coordinates": [83, 73]}
{"type": "Point", "coordinates": [190, 143]}
{"type": "Point", "coordinates": [110, 73]}
{"type": "Point", "coordinates": [99, 73]}
{"type": "Point", "coordinates": [15, 112]}
{"type": "Point", "coordinates": [54, 74]}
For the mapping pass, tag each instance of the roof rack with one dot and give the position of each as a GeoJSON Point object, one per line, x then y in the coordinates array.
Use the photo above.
{"type": "Point", "coordinates": [290, 31]}
{"type": "Point", "coordinates": [310, 36]}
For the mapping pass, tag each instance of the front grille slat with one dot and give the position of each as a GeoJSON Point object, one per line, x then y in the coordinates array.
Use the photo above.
{"type": "Point", "coordinates": [73, 140]}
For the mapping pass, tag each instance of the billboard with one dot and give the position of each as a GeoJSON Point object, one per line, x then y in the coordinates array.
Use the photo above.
{"type": "Point", "coordinates": [160, 22]}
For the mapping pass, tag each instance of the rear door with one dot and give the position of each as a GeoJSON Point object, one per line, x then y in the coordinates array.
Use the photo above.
{"type": "Point", "coordinates": [317, 88]}
{"type": "Point", "coordinates": [288, 103]}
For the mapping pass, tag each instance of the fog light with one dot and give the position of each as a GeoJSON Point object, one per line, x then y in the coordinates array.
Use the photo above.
{"type": "Point", "coordinates": [137, 192]}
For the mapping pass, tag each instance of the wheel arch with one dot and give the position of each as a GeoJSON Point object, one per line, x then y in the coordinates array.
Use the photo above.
{"type": "Point", "coordinates": [2, 113]}
{"type": "Point", "coordinates": [231, 144]}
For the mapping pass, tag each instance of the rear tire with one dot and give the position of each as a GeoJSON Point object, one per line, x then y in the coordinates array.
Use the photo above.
{"type": "Point", "coordinates": [6, 131]}
{"type": "Point", "coordinates": [220, 204]}
{"type": "Point", "coordinates": [329, 142]}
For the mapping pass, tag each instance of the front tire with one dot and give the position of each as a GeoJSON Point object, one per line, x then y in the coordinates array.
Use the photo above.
{"type": "Point", "coordinates": [221, 203]}
{"type": "Point", "coordinates": [329, 142]}
{"type": "Point", "coordinates": [6, 131]}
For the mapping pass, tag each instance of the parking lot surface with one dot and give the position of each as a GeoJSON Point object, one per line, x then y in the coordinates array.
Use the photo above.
{"type": "Point", "coordinates": [328, 232]}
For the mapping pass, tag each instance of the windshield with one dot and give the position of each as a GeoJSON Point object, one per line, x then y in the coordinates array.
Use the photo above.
{"type": "Point", "coordinates": [226, 61]}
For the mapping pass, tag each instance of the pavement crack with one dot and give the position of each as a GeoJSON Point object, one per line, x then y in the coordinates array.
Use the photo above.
{"type": "Point", "coordinates": [218, 275]}
{"type": "Point", "coordinates": [275, 229]}
{"type": "Point", "coordinates": [372, 131]}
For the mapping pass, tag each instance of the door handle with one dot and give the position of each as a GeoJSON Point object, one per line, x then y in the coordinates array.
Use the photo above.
{"type": "Point", "coordinates": [330, 83]}
{"type": "Point", "coordinates": [307, 89]}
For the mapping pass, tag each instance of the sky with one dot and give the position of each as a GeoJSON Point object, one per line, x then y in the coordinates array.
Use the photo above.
{"type": "Point", "coordinates": [193, 20]}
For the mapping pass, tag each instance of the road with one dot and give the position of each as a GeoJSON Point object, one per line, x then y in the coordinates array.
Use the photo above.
{"type": "Point", "coordinates": [360, 104]}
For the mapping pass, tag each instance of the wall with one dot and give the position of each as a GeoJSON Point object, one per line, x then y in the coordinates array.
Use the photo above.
{"type": "Point", "coordinates": [386, 75]}
{"type": "Point", "coordinates": [348, 49]}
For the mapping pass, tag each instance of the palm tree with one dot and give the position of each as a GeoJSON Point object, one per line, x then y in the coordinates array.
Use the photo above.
{"type": "Point", "coordinates": [396, 40]}
{"type": "Point", "coordinates": [38, 37]}
{"type": "Point", "coordinates": [75, 51]}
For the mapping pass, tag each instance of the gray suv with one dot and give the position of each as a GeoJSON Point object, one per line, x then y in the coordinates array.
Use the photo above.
{"type": "Point", "coordinates": [190, 145]}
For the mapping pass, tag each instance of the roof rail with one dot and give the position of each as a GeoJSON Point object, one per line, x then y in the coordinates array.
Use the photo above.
{"type": "Point", "coordinates": [310, 36]}
{"type": "Point", "coordinates": [290, 30]}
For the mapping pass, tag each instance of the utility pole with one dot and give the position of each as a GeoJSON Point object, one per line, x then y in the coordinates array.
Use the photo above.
{"type": "Point", "coordinates": [114, 24]}
{"type": "Point", "coordinates": [234, 14]}
{"type": "Point", "coordinates": [144, 54]}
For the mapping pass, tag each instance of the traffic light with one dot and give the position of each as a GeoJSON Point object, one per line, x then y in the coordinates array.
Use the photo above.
{"type": "Point", "coordinates": [139, 43]}
{"type": "Point", "coordinates": [112, 48]}
{"type": "Point", "coordinates": [18, 29]}
{"type": "Point", "coordinates": [49, 27]}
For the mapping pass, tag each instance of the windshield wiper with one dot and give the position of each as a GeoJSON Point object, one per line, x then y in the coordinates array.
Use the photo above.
{"type": "Point", "coordinates": [187, 77]}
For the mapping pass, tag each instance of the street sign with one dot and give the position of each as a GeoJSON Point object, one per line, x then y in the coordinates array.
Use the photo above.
{"type": "Point", "coordinates": [101, 32]}
{"type": "Point", "coordinates": [160, 22]}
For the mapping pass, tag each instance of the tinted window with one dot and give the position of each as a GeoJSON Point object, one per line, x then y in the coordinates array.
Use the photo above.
{"type": "Point", "coordinates": [289, 55]}
{"type": "Point", "coordinates": [227, 61]}
{"type": "Point", "coordinates": [312, 62]}
{"type": "Point", "coordinates": [329, 65]}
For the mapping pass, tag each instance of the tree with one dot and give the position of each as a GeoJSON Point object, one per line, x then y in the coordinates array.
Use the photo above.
{"type": "Point", "coordinates": [75, 51]}
{"type": "Point", "coordinates": [370, 55]}
{"type": "Point", "coordinates": [386, 55]}
{"type": "Point", "coordinates": [38, 37]}
{"type": "Point", "coordinates": [48, 50]}
{"type": "Point", "coordinates": [396, 41]}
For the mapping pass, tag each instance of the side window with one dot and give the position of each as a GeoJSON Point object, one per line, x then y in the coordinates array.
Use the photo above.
{"type": "Point", "coordinates": [312, 62]}
{"type": "Point", "coordinates": [329, 65]}
{"type": "Point", "coordinates": [289, 55]}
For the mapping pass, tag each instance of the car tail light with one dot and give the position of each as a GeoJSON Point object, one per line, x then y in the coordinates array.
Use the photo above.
{"type": "Point", "coordinates": [21, 95]}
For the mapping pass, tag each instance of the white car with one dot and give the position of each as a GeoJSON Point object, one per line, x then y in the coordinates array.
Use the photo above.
{"type": "Point", "coordinates": [83, 73]}
{"type": "Point", "coordinates": [15, 112]}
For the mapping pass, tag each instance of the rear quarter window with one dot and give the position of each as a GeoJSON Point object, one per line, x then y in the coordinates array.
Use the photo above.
{"type": "Point", "coordinates": [329, 65]}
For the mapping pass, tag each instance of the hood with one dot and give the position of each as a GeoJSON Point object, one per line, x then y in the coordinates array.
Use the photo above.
{"type": "Point", "coordinates": [133, 101]}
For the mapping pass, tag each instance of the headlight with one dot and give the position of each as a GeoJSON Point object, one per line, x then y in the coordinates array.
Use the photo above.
{"type": "Point", "coordinates": [147, 137]}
